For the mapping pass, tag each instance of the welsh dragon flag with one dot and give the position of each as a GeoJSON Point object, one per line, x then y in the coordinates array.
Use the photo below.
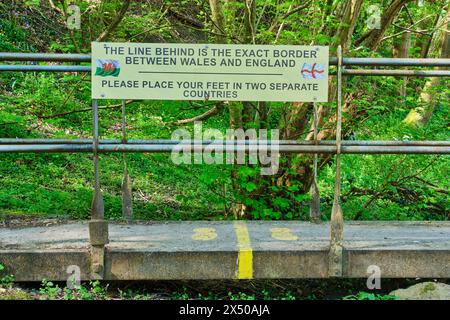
{"type": "Point", "coordinates": [107, 68]}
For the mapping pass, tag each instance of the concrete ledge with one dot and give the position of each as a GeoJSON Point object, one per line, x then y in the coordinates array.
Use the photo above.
{"type": "Point", "coordinates": [37, 265]}
{"type": "Point", "coordinates": [406, 263]}
{"type": "Point", "coordinates": [134, 265]}
{"type": "Point", "coordinates": [212, 250]}
{"type": "Point", "coordinates": [291, 264]}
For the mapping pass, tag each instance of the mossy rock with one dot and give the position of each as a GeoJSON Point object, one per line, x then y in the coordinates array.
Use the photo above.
{"type": "Point", "coordinates": [424, 291]}
{"type": "Point", "coordinates": [14, 294]}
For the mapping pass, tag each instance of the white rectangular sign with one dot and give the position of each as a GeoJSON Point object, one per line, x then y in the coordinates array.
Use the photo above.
{"type": "Point", "coordinates": [165, 71]}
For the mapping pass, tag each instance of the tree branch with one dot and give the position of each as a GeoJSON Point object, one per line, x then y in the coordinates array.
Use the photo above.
{"type": "Point", "coordinates": [296, 9]}
{"type": "Point", "coordinates": [373, 38]}
{"type": "Point", "coordinates": [287, 14]}
{"type": "Point", "coordinates": [115, 22]}
{"type": "Point", "coordinates": [211, 112]}
{"type": "Point", "coordinates": [376, 195]}
{"type": "Point", "coordinates": [185, 18]}
{"type": "Point", "coordinates": [58, 115]}
{"type": "Point", "coordinates": [52, 5]}
{"type": "Point", "coordinates": [113, 106]}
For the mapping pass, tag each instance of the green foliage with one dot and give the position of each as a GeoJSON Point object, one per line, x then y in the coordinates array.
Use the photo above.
{"type": "Point", "coordinates": [362, 295]}
{"type": "Point", "coordinates": [182, 295]}
{"type": "Point", "coordinates": [268, 201]}
{"type": "Point", "coordinates": [61, 184]}
{"type": "Point", "coordinates": [12, 37]}
{"type": "Point", "coordinates": [264, 294]}
{"type": "Point", "coordinates": [374, 186]}
{"type": "Point", "coordinates": [6, 281]}
{"type": "Point", "coordinates": [241, 296]}
{"type": "Point", "coordinates": [94, 291]}
{"type": "Point", "coordinates": [48, 290]}
{"type": "Point", "coordinates": [131, 294]}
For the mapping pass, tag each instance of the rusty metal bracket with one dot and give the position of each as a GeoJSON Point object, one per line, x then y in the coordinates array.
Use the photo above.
{"type": "Point", "coordinates": [314, 208]}
{"type": "Point", "coordinates": [98, 227]}
{"type": "Point", "coordinates": [337, 220]}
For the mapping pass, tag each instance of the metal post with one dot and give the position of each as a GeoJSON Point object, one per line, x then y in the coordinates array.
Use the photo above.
{"type": "Point", "coordinates": [314, 208]}
{"type": "Point", "coordinates": [98, 227]}
{"type": "Point", "coordinates": [337, 220]}
{"type": "Point", "coordinates": [97, 203]}
{"type": "Point", "coordinates": [127, 202]}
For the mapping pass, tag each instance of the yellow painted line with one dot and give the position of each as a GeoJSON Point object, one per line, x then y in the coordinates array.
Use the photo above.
{"type": "Point", "coordinates": [245, 255]}
{"type": "Point", "coordinates": [283, 234]}
{"type": "Point", "coordinates": [204, 234]}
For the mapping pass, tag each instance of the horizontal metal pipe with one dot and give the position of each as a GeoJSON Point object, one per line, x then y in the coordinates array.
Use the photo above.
{"type": "Point", "coordinates": [398, 62]}
{"type": "Point", "coordinates": [395, 150]}
{"type": "Point", "coordinates": [384, 72]}
{"type": "Point", "coordinates": [45, 141]}
{"type": "Point", "coordinates": [245, 142]}
{"type": "Point", "coordinates": [354, 72]}
{"type": "Point", "coordinates": [442, 143]}
{"type": "Point", "coordinates": [38, 68]}
{"type": "Point", "coordinates": [64, 57]}
{"type": "Point", "coordinates": [107, 148]}
{"type": "Point", "coordinates": [43, 148]}
{"type": "Point", "coordinates": [157, 148]}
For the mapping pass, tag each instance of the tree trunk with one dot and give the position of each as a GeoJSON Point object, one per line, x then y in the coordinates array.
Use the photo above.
{"type": "Point", "coordinates": [401, 50]}
{"type": "Point", "coordinates": [348, 20]}
{"type": "Point", "coordinates": [249, 21]}
{"type": "Point", "coordinates": [420, 115]}
{"type": "Point", "coordinates": [301, 113]}
{"type": "Point", "coordinates": [373, 38]}
{"type": "Point", "coordinates": [218, 20]}
{"type": "Point", "coordinates": [424, 41]}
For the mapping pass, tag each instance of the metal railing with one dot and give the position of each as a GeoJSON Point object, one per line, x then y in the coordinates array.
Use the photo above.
{"type": "Point", "coordinates": [98, 227]}
{"type": "Point", "coordinates": [361, 62]}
